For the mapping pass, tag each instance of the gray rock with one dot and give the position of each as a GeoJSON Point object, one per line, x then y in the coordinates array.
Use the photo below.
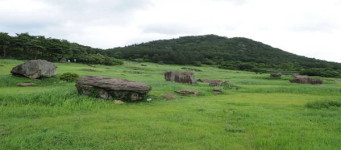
{"type": "Point", "coordinates": [187, 92]}
{"type": "Point", "coordinates": [34, 69]}
{"type": "Point", "coordinates": [180, 77]}
{"type": "Point", "coordinates": [305, 80]}
{"type": "Point", "coordinates": [112, 88]}
{"type": "Point", "coordinates": [214, 82]}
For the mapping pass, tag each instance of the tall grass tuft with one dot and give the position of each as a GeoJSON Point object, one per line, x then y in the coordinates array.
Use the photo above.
{"type": "Point", "coordinates": [323, 104]}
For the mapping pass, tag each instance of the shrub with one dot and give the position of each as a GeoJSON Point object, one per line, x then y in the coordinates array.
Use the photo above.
{"type": "Point", "coordinates": [320, 72]}
{"type": "Point", "coordinates": [323, 104]}
{"type": "Point", "coordinates": [70, 77]}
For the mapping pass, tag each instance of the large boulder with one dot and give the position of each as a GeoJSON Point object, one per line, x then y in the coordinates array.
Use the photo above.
{"type": "Point", "coordinates": [112, 88]}
{"type": "Point", "coordinates": [305, 80]}
{"type": "Point", "coordinates": [180, 77]}
{"type": "Point", "coordinates": [34, 69]}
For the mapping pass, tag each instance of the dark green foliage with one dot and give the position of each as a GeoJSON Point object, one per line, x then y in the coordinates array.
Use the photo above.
{"type": "Point", "coordinates": [98, 59]}
{"type": "Point", "coordinates": [323, 104]}
{"type": "Point", "coordinates": [229, 53]}
{"type": "Point", "coordinates": [25, 46]}
{"type": "Point", "coordinates": [70, 77]}
{"type": "Point", "coordinates": [320, 72]}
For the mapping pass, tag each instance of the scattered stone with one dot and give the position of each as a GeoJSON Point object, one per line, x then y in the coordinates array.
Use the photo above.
{"type": "Point", "coordinates": [118, 102]}
{"type": "Point", "coordinates": [112, 88]}
{"type": "Point", "coordinates": [187, 92]}
{"type": "Point", "coordinates": [191, 69]}
{"type": "Point", "coordinates": [276, 74]}
{"type": "Point", "coordinates": [217, 90]}
{"type": "Point", "coordinates": [134, 72]}
{"type": "Point", "coordinates": [168, 96]}
{"type": "Point", "coordinates": [144, 65]}
{"type": "Point", "coordinates": [180, 77]}
{"type": "Point", "coordinates": [91, 70]}
{"type": "Point", "coordinates": [305, 80]}
{"type": "Point", "coordinates": [214, 82]}
{"type": "Point", "coordinates": [34, 69]}
{"type": "Point", "coordinates": [26, 84]}
{"type": "Point", "coordinates": [63, 60]}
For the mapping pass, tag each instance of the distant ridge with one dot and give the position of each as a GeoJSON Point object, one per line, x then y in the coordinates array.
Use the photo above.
{"type": "Point", "coordinates": [233, 53]}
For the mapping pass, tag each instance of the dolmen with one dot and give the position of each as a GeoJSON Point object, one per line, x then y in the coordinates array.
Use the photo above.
{"type": "Point", "coordinates": [112, 88]}
{"type": "Point", "coordinates": [180, 77]}
{"type": "Point", "coordinates": [305, 80]}
{"type": "Point", "coordinates": [35, 69]}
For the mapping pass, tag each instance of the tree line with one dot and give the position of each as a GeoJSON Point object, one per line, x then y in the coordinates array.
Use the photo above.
{"type": "Point", "coordinates": [27, 47]}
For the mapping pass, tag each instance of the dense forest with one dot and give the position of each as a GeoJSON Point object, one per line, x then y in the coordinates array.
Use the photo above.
{"type": "Point", "coordinates": [228, 53]}
{"type": "Point", "coordinates": [25, 46]}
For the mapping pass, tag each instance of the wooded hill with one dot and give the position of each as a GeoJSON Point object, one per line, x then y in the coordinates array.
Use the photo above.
{"type": "Point", "coordinates": [25, 46]}
{"type": "Point", "coordinates": [229, 53]}
{"type": "Point", "coordinates": [232, 53]}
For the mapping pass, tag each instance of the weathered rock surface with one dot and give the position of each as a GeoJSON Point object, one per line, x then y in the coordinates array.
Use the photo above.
{"type": "Point", "coordinates": [214, 82]}
{"type": "Point", "coordinates": [26, 84]}
{"type": "Point", "coordinates": [180, 77]}
{"type": "Point", "coordinates": [305, 80]}
{"type": "Point", "coordinates": [187, 92]}
{"type": "Point", "coordinates": [112, 88]}
{"type": "Point", "coordinates": [34, 69]}
{"type": "Point", "coordinates": [276, 74]}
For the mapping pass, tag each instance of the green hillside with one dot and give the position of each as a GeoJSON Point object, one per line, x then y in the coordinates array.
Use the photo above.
{"type": "Point", "coordinates": [228, 53]}
{"type": "Point", "coordinates": [232, 53]}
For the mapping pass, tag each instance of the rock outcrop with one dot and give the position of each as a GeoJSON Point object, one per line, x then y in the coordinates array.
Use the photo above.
{"type": "Point", "coordinates": [180, 77]}
{"type": "Point", "coordinates": [34, 69]}
{"type": "Point", "coordinates": [112, 88]}
{"type": "Point", "coordinates": [305, 80]}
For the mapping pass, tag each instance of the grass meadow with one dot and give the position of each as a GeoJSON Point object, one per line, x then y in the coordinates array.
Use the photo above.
{"type": "Point", "coordinates": [261, 113]}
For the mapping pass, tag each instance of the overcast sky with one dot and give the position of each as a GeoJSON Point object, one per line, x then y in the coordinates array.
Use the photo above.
{"type": "Point", "coordinates": [306, 27]}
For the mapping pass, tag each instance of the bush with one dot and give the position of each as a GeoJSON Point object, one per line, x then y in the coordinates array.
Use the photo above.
{"type": "Point", "coordinates": [70, 77]}
{"type": "Point", "coordinates": [323, 104]}
{"type": "Point", "coordinates": [320, 72]}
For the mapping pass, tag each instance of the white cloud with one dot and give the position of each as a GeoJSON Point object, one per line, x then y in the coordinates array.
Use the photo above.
{"type": "Point", "coordinates": [305, 27]}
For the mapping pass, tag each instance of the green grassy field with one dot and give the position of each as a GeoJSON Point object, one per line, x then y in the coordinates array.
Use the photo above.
{"type": "Point", "coordinates": [262, 114]}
